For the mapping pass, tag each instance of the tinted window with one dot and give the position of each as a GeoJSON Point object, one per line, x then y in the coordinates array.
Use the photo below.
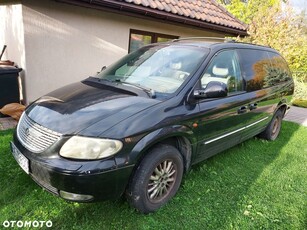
{"type": "Point", "coordinates": [224, 67]}
{"type": "Point", "coordinates": [278, 72]}
{"type": "Point", "coordinates": [254, 66]}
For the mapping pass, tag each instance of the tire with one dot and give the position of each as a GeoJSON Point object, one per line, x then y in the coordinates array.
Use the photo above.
{"type": "Point", "coordinates": [156, 179]}
{"type": "Point", "coordinates": [272, 130]}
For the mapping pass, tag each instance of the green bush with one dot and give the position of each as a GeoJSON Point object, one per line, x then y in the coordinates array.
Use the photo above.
{"type": "Point", "coordinates": [300, 76]}
{"type": "Point", "coordinates": [300, 103]}
{"type": "Point", "coordinates": [300, 91]}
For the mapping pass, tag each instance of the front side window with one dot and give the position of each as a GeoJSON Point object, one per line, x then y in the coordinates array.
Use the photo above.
{"type": "Point", "coordinates": [224, 68]}
{"type": "Point", "coordinates": [159, 68]}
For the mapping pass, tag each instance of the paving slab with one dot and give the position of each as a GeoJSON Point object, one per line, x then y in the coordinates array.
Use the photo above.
{"type": "Point", "coordinates": [297, 115]}
{"type": "Point", "coordinates": [7, 123]}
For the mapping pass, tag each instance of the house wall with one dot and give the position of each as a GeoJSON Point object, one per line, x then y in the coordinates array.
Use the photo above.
{"type": "Point", "coordinates": [12, 33]}
{"type": "Point", "coordinates": [66, 43]}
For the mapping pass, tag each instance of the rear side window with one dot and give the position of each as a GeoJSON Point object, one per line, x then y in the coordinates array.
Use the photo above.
{"type": "Point", "coordinates": [254, 67]}
{"type": "Point", "coordinates": [262, 69]}
{"type": "Point", "coordinates": [278, 72]}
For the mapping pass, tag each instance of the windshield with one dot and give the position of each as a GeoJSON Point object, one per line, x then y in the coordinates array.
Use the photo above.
{"type": "Point", "coordinates": [161, 69]}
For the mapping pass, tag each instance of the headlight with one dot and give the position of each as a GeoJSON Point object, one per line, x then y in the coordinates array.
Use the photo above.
{"type": "Point", "coordinates": [90, 148]}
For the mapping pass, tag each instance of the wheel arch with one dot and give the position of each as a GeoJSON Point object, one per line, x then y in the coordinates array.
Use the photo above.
{"type": "Point", "coordinates": [283, 106]}
{"type": "Point", "coordinates": [181, 137]}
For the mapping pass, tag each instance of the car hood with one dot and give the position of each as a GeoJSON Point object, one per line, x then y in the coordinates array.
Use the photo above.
{"type": "Point", "coordinates": [76, 107]}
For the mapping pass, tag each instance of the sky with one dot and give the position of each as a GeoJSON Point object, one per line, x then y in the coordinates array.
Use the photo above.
{"type": "Point", "coordinates": [299, 5]}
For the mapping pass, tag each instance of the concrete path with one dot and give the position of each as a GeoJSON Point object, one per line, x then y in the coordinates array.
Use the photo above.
{"type": "Point", "coordinates": [7, 123]}
{"type": "Point", "coordinates": [297, 115]}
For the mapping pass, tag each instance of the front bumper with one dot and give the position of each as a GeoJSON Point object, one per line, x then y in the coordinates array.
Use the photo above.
{"type": "Point", "coordinates": [95, 180]}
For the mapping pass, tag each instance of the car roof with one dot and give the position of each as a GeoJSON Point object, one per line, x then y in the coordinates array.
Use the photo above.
{"type": "Point", "coordinates": [217, 43]}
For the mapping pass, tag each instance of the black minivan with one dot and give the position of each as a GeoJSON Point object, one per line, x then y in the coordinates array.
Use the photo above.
{"type": "Point", "coordinates": [142, 122]}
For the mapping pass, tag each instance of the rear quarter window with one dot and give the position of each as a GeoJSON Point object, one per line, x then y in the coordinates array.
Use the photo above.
{"type": "Point", "coordinates": [278, 72]}
{"type": "Point", "coordinates": [262, 69]}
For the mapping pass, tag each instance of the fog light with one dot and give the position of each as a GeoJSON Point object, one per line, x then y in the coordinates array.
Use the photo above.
{"type": "Point", "coordinates": [75, 197]}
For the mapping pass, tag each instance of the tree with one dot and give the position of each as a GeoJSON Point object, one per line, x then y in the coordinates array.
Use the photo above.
{"type": "Point", "coordinates": [280, 28]}
{"type": "Point", "coordinates": [272, 24]}
{"type": "Point", "coordinates": [245, 10]}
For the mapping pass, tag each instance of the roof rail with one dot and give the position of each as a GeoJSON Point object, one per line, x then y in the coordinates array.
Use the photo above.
{"type": "Point", "coordinates": [205, 38]}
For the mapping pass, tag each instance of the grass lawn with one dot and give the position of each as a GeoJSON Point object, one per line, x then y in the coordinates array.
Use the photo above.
{"type": "Point", "coordinates": [255, 185]}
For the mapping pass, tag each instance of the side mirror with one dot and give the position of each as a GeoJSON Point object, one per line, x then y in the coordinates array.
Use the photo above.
{"type": "Point", "coordinates": [214, 89]}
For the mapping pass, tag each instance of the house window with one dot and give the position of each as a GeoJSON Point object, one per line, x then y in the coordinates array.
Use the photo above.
{"type": "Point", "coordinates": [140, 38]}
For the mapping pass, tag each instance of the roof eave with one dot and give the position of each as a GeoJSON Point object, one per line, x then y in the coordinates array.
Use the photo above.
{"type": "Point", "coordinates": [144, 12]}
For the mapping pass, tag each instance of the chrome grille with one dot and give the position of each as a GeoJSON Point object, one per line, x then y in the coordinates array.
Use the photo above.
{"type": "Point", "coordinates": [33, 136]}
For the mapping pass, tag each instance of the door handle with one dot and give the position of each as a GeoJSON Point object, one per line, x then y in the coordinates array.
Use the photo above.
{"type": "Point", "coordinates": [253, 106]}
{"type": "Point", "coordinates": [243, 109]}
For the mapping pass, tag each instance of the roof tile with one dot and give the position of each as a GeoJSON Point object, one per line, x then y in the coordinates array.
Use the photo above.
{"type": "Point", "coordinates": [178, 10]}
{"type": "Point", "coordinates": [160, 6]}
{"type": "Point", "coordinates": [145, 3]}
{"type": "Point", "coordinates": [166, 7]}
{"type": "Point", "coordinates": [152, 4]}
{"type": "Point", "coordinates": [203, 10]}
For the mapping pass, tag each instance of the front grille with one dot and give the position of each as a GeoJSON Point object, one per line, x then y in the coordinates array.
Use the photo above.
{"type": "Point", "coordinates": [33, 136]}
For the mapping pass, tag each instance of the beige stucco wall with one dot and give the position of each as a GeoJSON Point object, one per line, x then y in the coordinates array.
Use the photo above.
{"type": "Point", "coordinates": [66, 43]}
{"type": "Point", "coordinates": [12, 33]}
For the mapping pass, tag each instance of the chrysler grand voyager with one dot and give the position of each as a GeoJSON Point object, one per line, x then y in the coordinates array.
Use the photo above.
{"type": "Point", "coordinates": [137, 126]}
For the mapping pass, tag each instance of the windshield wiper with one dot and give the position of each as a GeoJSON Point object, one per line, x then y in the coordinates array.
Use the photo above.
{"type": "Point", "coordinates": [149, 91]}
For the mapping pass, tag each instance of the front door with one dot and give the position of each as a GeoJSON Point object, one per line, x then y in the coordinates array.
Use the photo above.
{"type": "Point", "coordinates": [221, 120]}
